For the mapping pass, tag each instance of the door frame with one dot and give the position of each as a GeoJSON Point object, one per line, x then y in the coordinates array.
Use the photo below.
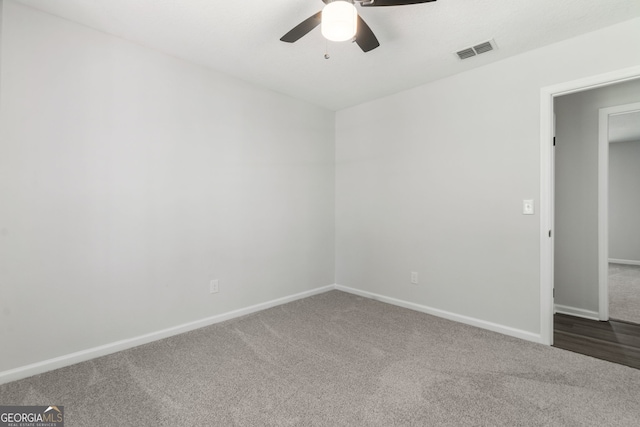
{"type": "Point", "coordinates": [547, 182]}
{"type": "Point", "coordinates": [603, 202]}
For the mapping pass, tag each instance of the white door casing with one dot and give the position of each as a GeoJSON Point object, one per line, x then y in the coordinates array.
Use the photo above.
{"type": "Point", "coordinates": [547, 185]}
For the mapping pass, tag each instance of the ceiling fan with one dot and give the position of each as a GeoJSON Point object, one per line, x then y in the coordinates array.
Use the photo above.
{"type": "Point", "coordinates": [340, 21]}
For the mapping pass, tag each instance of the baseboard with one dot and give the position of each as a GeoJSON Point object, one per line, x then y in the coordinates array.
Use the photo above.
{"type": "Point", "coordinates": [623, 261]}
{"type": "Point", "coordinates": [103, 350]}
{"type": "Point", "coordinates": [506, 330]}
{"type": "Point", "coordinates": [577, 312]}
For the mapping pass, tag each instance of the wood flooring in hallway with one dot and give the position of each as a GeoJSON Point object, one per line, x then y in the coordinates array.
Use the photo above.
{"type": "Point", "coordinates": [615, 341]}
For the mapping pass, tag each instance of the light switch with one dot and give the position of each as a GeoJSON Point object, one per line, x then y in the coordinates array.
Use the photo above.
{"type": "Point", "coordinates": [527, 207]}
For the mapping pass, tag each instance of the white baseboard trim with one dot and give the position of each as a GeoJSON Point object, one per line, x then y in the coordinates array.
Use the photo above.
{"type": "Point", "coordinates": [623, 261]}
{"type": "Point", "coordinates": [506, 330]}
{"type": "Point", "coordinates": [103, 350]}
{"type": "Point", "coordinates": [577, 312]}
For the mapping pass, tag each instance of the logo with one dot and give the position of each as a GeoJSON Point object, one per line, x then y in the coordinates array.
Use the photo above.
{"type": "Point", "coordinates": [32, 416]}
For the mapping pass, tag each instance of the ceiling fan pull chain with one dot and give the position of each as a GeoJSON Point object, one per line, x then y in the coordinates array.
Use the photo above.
{"type": "Point", "coordinates": [326, 50]}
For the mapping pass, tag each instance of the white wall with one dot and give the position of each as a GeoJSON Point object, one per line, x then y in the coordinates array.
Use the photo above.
{"type": "Point", "coordinates": [432, 180]}
{"type": "Point", "coordinates": [129, 179]}
{"type": "Point", "coordinates": [624, 200]}
{"type": "Point", "coordinates": [576, 191]}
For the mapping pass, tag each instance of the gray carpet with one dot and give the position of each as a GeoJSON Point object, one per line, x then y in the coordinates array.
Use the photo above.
{"type": "Point", "coordinates": [338, 360]}
{"type": "Point", "coordinates": [624, 292]}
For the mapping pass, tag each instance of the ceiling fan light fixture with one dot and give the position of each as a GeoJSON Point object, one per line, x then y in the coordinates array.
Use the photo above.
{"type": "Point", "coordinates": [339, 21]}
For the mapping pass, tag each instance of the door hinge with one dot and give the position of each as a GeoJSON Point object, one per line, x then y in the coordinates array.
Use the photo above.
{"type": "Point", "coordinates": [549, 233]}
{"type": "Point", "coordinates": [554, 141]}
{"type": "Point", "coordinates": [554, 292]}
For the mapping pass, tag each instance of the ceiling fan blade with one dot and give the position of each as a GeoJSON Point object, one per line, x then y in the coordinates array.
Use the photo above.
{"type": "Point", "coordinates": [302, 28]}
{"type": "Point", "coordinates": [394, 2]}
{"type": "Point", "coordinates": [365, 37]}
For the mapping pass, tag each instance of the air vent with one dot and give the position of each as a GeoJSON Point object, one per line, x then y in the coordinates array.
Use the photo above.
{"type": "Point", "coordinates": [478, 49]}
{"type": "Point", "coordinates": [483, 47]}
{"type": "Point", "coordinates": [467, 53]}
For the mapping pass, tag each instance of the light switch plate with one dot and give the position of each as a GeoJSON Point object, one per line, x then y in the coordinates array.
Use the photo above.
{"type": "Point", "coordinates": [527, 207]}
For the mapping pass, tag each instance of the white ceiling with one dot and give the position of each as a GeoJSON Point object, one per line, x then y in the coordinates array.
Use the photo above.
{"type": "Point", "coordinates": [417, 42]}
{"type": "Point", "coordinates": [624, 127]}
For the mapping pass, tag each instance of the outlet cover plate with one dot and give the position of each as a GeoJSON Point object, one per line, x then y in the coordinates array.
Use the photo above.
{"type": "Point", "coordinates": [213, 286]}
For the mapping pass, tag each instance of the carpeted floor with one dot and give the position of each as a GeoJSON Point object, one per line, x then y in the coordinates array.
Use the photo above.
{"type": "Point", "coordinates": [336, 359]}
{"type": "Point", "coordinates": [624, 292]}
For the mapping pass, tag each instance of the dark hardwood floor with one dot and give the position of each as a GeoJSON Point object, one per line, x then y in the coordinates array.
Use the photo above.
{"type": "Point", "coordinates": [615, 341]}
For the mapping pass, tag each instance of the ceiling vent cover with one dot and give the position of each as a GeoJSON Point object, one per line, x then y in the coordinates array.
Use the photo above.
{"type": "Point", "coordinates": [466, 53]}
{"type": "Point", "coordinates": [478, 49]}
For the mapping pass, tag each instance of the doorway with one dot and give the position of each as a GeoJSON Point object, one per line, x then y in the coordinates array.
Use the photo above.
{"type": "Point", "coordinates": [581, 195]}
{"type": "Point", "coordinates": [582, 186]}
{"type": "Point", "coordinates": [547, 189]}
{"type": "Point", "coordinates": [619, 141]}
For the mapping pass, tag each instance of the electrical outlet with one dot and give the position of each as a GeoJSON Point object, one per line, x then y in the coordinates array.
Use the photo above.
{"type": "Point", "coordinates": [414, 277]}
{"type": "Point", "coordinates": [213, 287]}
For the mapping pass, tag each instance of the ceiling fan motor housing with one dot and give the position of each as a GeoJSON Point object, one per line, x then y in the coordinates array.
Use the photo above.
{"type": "Point", "coordinates": [346, 24]}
